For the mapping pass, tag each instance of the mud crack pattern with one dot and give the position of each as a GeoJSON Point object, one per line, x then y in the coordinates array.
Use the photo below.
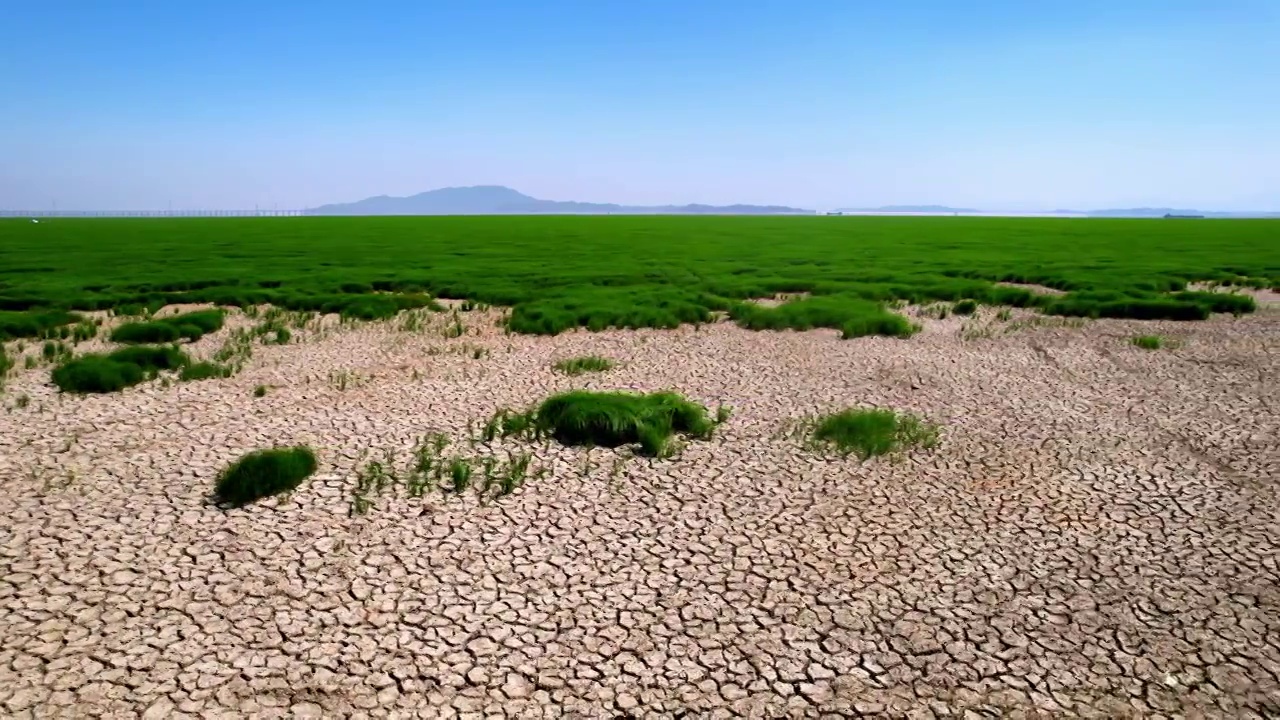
{"type": "Point", "coordinates": [1096, 536]}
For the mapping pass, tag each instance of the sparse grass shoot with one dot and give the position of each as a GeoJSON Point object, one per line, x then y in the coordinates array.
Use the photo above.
{"type": "Point", "coordinates": [454, 329]}
{"type": "Point", "coordinates": [55, 351]}
{"type": "Point", "coordinates": [205, 371]}
{"type": "Point", "coordinates": [584, 364]}
{"type": "Point", "coordinates": [723, 412]}
{"type": "Point", "coordinates": [459, 474]}
{"type": "Point", "coordinates": [276, 335]}
{"type": "Point", "coordinates": [263, 473]}
{"type": "Point", "coordinates": [6, 364]}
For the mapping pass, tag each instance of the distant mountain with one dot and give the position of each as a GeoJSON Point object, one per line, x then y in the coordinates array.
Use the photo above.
{"type": "Point", "coordinates": [911, 209]}
{"type": "Point", "coordinates": [498, 200]}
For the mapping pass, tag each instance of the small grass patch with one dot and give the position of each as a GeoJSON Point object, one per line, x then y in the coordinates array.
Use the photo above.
{"type": "Point", "coordinates": [965, 307]}
{"type": "Point", "coordinates": [205, 371]}
{"type": "Point", "coordinates": [263, 473]}
{"type": "Point", "coordinates": [868, 433]}
{"type": "Point", "coordinates": [609, 419]}
{"type": "Point", "coordinates": [853, 316]}
{"type": "Point", "coordinates": [584, 364]}
{"type": "Point", "coordinates": [99, 373]}
{"type": "Point", "coordinates": [189, 326]}
{"type": "Point", "coordinates": [1148, 342]}
{"type": "Point", "coordinates": [260, 391]}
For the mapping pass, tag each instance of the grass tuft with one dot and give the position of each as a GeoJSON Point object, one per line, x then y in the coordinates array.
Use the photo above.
{"type": "Point", "coordinates": [459, 474]}
{"type": "Point", "coordinates": [1148, 342]}
{"type": "Point", "coordinates": [868, 433]}
{"type": "Point", "coordinates": [584, 364]}
{"type": "Point", "coordinates": [965, 307]}
{"type": "Point", "coordinates": [6, 364]}
{"type": "Point", "coordinates": [263, 473]}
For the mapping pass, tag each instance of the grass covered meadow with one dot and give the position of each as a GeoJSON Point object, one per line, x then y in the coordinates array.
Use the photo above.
{"type": "Point", "coordinates": [560, 272]}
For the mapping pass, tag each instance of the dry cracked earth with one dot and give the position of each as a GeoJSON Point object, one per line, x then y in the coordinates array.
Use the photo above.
{"type": "Point", "coordinates": [1096, 535]}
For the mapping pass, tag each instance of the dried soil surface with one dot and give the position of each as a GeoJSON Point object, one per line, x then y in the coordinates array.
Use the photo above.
{"type": "Point", "coordinates": [1097, 534]}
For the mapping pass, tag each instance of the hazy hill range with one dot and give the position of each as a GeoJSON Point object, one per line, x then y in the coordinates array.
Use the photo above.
{"type": "Point", "coordinates": [1161, 212]}
{"type": "Point", "coordinates": [910, 209]}
{"type": "Point", "coordinates": [498, 200]}
{"type": "Point", "coordinates": [1104, 213]}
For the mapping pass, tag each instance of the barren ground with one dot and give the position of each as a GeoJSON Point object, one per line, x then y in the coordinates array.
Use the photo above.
{"type": "Point", "coordinates": [1096, 535]}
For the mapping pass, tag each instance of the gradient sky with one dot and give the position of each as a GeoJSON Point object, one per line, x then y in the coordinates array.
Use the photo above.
{"type": "Point", "coordinates": [1003, 105]}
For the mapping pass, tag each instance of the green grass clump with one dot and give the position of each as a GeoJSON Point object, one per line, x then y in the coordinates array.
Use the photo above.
{"type": "Point", "coordinates": [263, 473]}
{"type": "Point", "coordinates": [145, 332]}
{"type": "Point", "coordinates": [189, 326]}
{"type": "Point", "coordinates": [965, 307]}
{"type": "Point", "coordinates": [96, 374]}
{"type": "Point", "coordinates": [853, 316]}
{"type": "Point", "coordinates": [38, 323]}
{"type": "Point", "coordinates": [1148, 342]}
{"type": "Point", "coordinates": [151, 359]}
{"type": "Point", "coordinates": [205, 371]}
{"type": "Point", "coordinates": [868, 433]}
{"type": "Point", "coordinates": [584, 364]}
{"type": "Point", "coordinates": [611, 419]}
{"type": "Point", "coordinates": [112, 372]}
{"type": "Point", "coordinates": [1233, 303]}
{"type": "Point", "coordinates": [260, 391]}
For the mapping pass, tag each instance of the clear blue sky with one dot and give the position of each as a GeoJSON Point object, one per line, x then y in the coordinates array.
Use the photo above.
{"type": "Point", "coordinates": [1010, 104]}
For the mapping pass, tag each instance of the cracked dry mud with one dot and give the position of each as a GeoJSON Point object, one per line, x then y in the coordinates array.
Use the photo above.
{"type": "Point", "coordinates": [1097, 535]}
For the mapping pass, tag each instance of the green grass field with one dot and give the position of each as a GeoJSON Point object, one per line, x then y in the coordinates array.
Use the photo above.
{"type": "Point", "coordinates": [559, 272]}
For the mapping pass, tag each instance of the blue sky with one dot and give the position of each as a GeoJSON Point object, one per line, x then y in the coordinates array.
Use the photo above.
{"type": "Point", "coordinates": [1007, 105]}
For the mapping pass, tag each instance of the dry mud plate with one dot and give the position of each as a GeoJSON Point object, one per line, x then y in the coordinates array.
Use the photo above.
{"type": "Point", "coordinates": [1096, 535]}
